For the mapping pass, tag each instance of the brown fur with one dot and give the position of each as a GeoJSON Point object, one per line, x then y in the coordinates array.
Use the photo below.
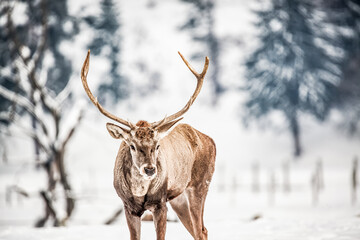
{"type": "Point", "coordinates": [185, 164]}
{"type": "Point", "coordinates": [144, 134]}
{"type": "Point", "coordinates": [142, 123]}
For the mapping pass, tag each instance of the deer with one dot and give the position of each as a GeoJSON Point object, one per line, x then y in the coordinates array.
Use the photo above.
{"type": "Point", "coordinates": [161, 162]}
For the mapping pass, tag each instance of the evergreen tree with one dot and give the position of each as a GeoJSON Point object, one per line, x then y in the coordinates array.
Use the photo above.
{"type": "Point", "coordinates": [63, 27]}
{"type": "Point", "coordinates": [107, 44]}
{"type": "Point", "coordinates": [200, 23]}
{"type": "Point", "coordinates": [292, 71]}
{"type": "Point", "coordinates": [345, 15]}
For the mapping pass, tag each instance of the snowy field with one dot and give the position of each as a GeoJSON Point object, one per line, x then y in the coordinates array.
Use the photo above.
{"type": "Point", "coordinates": [233, 210]}
{"type": "Point", "coordinates": [261, 229]}
{"type": "Point", "coordinates": [227, 216]}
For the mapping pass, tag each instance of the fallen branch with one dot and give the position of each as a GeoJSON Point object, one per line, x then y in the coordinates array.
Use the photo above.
{"type": "Point", "coordinates": [16, 189]}
{"type": "Point", "coordinates": [115, 216]}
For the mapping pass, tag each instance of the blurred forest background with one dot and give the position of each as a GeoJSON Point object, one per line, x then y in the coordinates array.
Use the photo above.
{"type": "Point", "coordinates": [283, 88]}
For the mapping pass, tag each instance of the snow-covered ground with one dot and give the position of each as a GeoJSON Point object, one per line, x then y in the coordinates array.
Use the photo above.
{"type": "Point", "coordinates": [265, 229]}
{"type": "Point", "coordinates": [231, 205]}
{"type": "Point", "coordinates": [228, 216]}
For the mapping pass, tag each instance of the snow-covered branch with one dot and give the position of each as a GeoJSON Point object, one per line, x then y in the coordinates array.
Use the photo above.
{"type": "Point", "coordinates": [72, 129]}
{"type": "Point", "coordinates": [31, 65]}
{"type": "Point", "coordinates": [42, 139]}
{"type": "Point", "coordinates": [19, 99]}
{"type": "Point", "coordinates": [64, 94]}
{"type": "Point", "coordinates": [72, 122]}
{"type": "Point", "coordinates": [25, 103]}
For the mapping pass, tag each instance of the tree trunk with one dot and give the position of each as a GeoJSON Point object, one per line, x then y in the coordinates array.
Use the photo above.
{"type": "Point", "coordinates": [48, 200]}
{"type": "Point", "coordinates": [70, 202]}
{"type": "Point", "coordinates": [295, 132]}
{"type": "Point", "coordinates": [57, 165]}
{"type": "Point", "coordinates": [34, 127]}
{"type": "Point", "coordinates": [214, 51]}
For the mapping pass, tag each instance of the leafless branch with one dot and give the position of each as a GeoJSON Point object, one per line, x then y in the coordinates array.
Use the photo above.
{"type": "Point", "coordinates": [29, 132]}
{"type": "Point", "coordinates": [32, 64]}
{"type": "Point", "coordinates": [72, 130]}
{"type": "Point", "coordinates": [64, 94]}
{"type": "Point", "coordinates": [25, 103]}
{"type": "Point", "coordinates": [10, 26]}
{"type": "Point", "coordinates": [19, 190]}
{"type": "Point", "coordinates": [114, 216]}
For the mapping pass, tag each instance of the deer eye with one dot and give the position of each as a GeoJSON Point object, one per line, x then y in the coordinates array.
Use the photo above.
{"type": "Point", "coordinates": [157, 148]}
{"type": "Point", "coordinates": [132, 147]}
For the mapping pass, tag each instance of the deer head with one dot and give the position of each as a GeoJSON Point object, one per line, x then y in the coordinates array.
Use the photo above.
{"type": "Point", "coordinates": [143, 138]}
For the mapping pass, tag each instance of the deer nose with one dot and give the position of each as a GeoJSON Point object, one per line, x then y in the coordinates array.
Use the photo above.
{"type": "Point", "coordinates": [149, 170]}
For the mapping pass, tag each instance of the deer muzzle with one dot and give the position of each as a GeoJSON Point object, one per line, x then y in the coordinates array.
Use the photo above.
{"type": "Point", "coordinates": [148, 171]}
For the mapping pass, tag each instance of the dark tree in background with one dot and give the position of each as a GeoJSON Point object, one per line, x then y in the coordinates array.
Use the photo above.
{"type": "Point", "coordinates": [200, 23]}
{"type": "Point", "coordinates": [61, 27]}
{"type": "Point", "coordinates": [345, 15]}
{"type": "Point", "coordinates": [107, 43]}
{"type": "Point", "coordinates": [292, 70]}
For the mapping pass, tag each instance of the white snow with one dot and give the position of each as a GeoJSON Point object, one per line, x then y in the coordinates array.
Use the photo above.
{"type": "Point", "coordinates": [150, 36]}
{"type": "Point", "coordinates": [294, 229]}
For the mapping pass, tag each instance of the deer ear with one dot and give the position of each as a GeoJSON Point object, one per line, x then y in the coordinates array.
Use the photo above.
{"type": "Point", "coordinates": [164, 129]}
{"type": "Point", "coordinates": [117, 131]}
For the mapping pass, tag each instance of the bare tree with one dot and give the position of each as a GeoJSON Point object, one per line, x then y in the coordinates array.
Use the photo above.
{"type": "Point", "coordinates": [52, 125]}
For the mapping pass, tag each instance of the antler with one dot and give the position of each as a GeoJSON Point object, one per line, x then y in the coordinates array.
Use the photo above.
{"type": "Point", "coordinates": [84, 73]}
{"type": "Point", "coordinates": [200, 80]}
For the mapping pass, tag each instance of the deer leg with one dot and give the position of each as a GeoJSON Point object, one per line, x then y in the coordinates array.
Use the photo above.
{"type": "Point", "coordinates": [204, 230]}
{"type": "Point", "coordinates": [134, 224]}
{"type": "Point", "coordinates": [196, 201]}
{"type": "Point", "coordinates": [160, 213]}
{"type": "Point", "coordinates": [181, 207]}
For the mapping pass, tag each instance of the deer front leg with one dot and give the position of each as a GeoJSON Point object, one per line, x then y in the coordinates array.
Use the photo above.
{"type": "Point", "coordinates": [159, 213]}
{"type": "Point", "coordinates": [134, 224]}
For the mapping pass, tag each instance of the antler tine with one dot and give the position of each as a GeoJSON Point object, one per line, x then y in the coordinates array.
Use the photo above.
{"type": "Point", "coordinates": [84, 73]}
{"type": "Point", "coordinates": [200, 80]}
